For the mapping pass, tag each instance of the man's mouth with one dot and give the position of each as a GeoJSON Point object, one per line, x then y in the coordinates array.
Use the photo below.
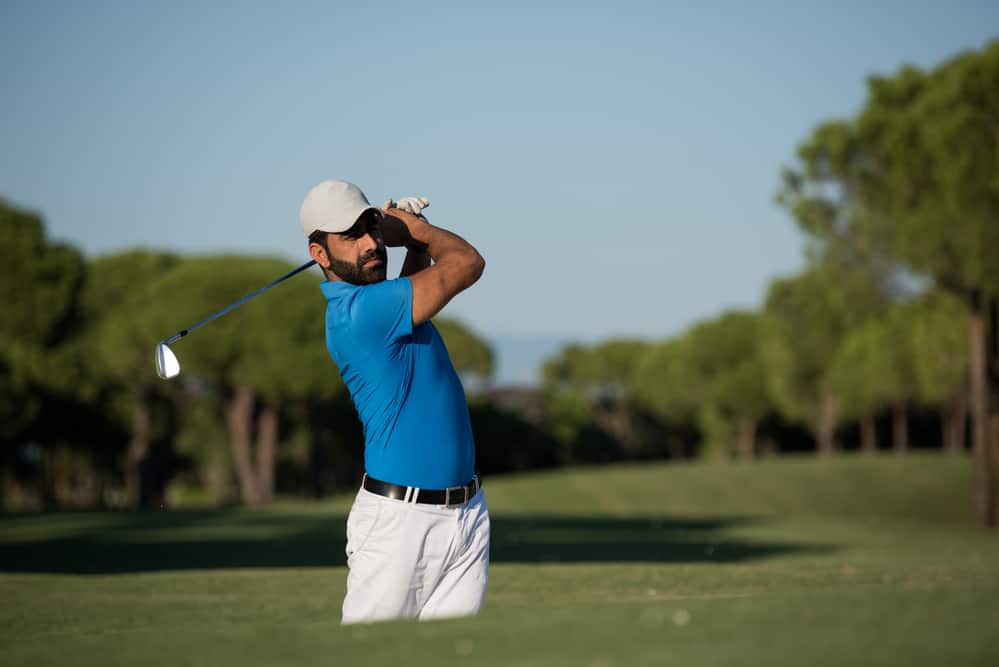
{"type": "Point", "coordinates": [373, 261]}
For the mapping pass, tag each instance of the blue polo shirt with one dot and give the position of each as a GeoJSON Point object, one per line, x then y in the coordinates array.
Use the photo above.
{"type": "Point", "coordinates": [406, 391]}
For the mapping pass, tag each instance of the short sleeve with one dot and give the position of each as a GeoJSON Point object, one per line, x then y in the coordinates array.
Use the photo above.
{"type": "Point", "coordinates": [384, 311]}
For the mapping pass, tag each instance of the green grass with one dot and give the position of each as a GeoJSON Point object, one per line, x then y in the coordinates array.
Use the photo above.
{"type": "Point", "coordinates": [784, 562]}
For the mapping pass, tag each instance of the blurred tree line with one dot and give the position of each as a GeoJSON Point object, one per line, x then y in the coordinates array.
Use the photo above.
{"type": "Point", "coordinates": [892, 324]}
{"type": "Point", "coordinates": [259, 409]}
{"type": "Point", "coordinates": [893, 321]}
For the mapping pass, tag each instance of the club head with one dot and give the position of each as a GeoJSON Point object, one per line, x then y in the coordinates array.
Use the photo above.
{"type": "Point", "coordinates": [167, 365]}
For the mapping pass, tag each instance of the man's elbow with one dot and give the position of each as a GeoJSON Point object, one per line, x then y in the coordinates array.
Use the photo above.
{"type": "Point", "coordinates": [466, 267]}
{"type": "Point", "coordinates": [478, 265]}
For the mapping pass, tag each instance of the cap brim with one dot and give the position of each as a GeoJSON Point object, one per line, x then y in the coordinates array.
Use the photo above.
{"type": "Point", "coordinates": [340, 229]}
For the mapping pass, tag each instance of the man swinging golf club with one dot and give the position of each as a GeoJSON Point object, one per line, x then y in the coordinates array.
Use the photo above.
{"type": "Point", "coordinates": [418, 531]}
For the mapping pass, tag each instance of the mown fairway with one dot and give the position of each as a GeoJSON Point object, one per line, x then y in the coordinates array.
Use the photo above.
{"type": "Point", "coordinates": [784, 562]}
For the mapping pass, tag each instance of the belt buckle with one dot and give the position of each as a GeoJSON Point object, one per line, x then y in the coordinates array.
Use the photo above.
{"type": "Point", "coordinates": [447, 496]}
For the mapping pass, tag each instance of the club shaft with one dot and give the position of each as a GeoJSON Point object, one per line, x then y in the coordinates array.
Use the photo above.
{"type": "Point", "coordinates": [235, 304]}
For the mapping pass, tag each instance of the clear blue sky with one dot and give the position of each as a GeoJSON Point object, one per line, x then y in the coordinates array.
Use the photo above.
{"type": "Point", "coordinates": [614, 162]}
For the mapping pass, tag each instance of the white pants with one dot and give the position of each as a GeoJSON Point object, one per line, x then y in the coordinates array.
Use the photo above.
{"type": "Point", "coordinates": [409, 560]}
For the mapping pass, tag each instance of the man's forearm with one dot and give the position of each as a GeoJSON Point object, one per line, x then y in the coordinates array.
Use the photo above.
{"type": "Point", "coordinates": [417, 259]}
{"type": "Point", "coordinates": [438, 242]}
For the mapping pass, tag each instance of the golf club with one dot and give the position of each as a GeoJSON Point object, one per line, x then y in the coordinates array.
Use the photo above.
{"type": "Point", "coordinates": [167, 365]}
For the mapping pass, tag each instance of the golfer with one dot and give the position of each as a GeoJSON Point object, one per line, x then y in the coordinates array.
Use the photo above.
{"type": "Point", "coordinates": [418, 531]}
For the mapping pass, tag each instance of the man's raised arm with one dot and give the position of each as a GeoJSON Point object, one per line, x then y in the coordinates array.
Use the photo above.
{"type": "Point", "coordinates": [456, 264]}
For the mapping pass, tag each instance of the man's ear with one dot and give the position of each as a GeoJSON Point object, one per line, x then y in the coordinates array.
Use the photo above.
{"type": "Point", "coordinates": [318, 253]}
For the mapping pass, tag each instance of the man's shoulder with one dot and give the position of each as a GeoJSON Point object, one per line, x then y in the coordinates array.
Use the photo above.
{"type": "Point", "coordinates": [374, 309]}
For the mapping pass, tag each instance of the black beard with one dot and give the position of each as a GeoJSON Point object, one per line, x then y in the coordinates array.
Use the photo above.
{"type": "Point", "coordinates": [356, 274]}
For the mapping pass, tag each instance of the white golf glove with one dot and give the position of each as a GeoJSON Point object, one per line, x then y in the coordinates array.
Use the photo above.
{"type": "Point", "coordinates": [412, 205]}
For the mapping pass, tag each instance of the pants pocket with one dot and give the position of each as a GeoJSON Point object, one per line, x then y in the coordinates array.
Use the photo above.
{"type": "Point", "coordinates": [360, 524]}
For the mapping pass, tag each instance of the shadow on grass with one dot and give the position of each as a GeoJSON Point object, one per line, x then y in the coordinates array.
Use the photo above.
{"type": "Point", "coordinates": [123, 542]}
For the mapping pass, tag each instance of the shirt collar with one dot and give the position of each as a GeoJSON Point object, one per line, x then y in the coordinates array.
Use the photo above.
{"type": "Point", "coordinates": [330, 288]}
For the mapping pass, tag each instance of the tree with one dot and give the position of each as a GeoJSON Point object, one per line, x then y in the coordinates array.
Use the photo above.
{"type": "Point", "coordinates": [852, 276]}
{"type": "Point", "coordinates": [256, 359]}
{"type": "Point", "coordinates": [286, 362]}
{"type": "Point", "coordinates": [602, 369]}
{"type": "Point", "coordinates": [117, 344]}
{"type": "Point", "coordinates": [658, 388]}
{"type": "Point", "coordinates": [931, 140]}
{"type": "Point", "coordinates": [712, 375]}
{"type": "Point", "coordinates": [211, 358]}
{"type": "Point", "coordinates": [594, 381]}
{"type": "Point", "coordinates": [39, 289]}
{"type": "Point", "coordinates": [805, 320]}
{"type": "Point", "coordinates": [659, 381]}
{"type": "Point", "coordinates": [940, 351]}
{"type": "Point", "coordinates": [726, 374]}
{"type": "Point", "coordinates": [874, 370]}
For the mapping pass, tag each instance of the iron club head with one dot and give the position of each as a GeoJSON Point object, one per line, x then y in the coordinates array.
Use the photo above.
{"type": "Point", "coordinates": [167, 365]}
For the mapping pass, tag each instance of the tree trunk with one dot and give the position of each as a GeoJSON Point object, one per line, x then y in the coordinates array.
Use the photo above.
{"type": "Point", "coordinates": [746, 443]}
{"type": "Point", "coordinates": [992, 398]}
{"type": "Point", "coordinates": [138, 447]}
{"type": "Point", "coordinates": [768, 447]}
{"type": "Point", "coordinates": [267, 435]}
{"type": "Point", "coordinates": [239, 420]}
{"type": "Point", "coordinates": [50, 499]}
{"type": "Point", "coordinates": [868, 434]}
{"type": "Point", "coordinates": [316, 458]}
{"type": "Point", "coordinates": [985, 510]}
{"type": "Point", "coordinates": [900, 428]}
{"type": "Point", "coordinates": [954, 418]}
{"type": "Point", "coordinates": [828, 416]}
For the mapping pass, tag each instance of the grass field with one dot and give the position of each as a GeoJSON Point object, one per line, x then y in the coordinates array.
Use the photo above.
{"type": "Point", "coordinates": [784, 562]}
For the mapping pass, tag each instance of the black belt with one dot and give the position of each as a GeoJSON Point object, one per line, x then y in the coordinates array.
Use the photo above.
{"type": "Point", "coordinates": [452, 497]}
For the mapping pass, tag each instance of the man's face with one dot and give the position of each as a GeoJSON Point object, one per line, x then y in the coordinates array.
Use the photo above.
{"type": "Point", "coordinates": [358, 255]}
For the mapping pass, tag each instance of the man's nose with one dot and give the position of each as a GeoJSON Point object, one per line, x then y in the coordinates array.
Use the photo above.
{"type": "Point", "coordinates": [372, 241]}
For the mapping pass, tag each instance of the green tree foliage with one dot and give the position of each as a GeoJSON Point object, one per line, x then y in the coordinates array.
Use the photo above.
{"type": "Point", "coordinates": [858, 373]}
{"type": "Point", "coordinates": [931, 136]}
{"type": "Point", "coordinates": [41, 280]}
{"type": "Point", "coordinates": [909, 186]}
{"type": "Point", "coordinates": [659, 389]}
{"type": "Point", "coordinates": [116, 349]}
{"type": "Point", "coordinates": [726, 376]}
{"type": "Point", "coordinates": [833, 368]}
{"type": "Point", "coordinates": [588, 387]}
{"type": "Point", "coordinates": [568, 365]}
{"type": "Point", "coordinates": [806, 319]}
{"type": "Point", "coordinates": [939, 339]}
{"type": "Point", "coordinates": [712, 376]}
{"type": "Point", "coordinates": [660, 381]}
{"type": "Point", "coordinates": [875, 370]}
{"type": "Point", "coordinates": [285, 362]}
{"type": "Point", "coordinates": [39, 286]}
{"type": "Point", "coordinates": [932, 142]}
{"type": "Point", "coordinates": [471, 355]}
{"type": "Point", "coordinates": [254, 364]}
{"type": "Point", "coordinates": [605, 368]}
{"type": "Point", "coordinates": [256, 358]}
{"type": "Point", "coordinates": [940, 347]}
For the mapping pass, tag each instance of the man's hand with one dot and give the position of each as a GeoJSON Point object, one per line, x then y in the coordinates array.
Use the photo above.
{"type": "Point", "coordinates": [397, 225]}
{"type": "Point", "coordinates": [395, 231]}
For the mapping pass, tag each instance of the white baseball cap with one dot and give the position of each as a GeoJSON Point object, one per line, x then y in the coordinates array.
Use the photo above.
{"type": "Point", "coordinates": [332, 206]}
